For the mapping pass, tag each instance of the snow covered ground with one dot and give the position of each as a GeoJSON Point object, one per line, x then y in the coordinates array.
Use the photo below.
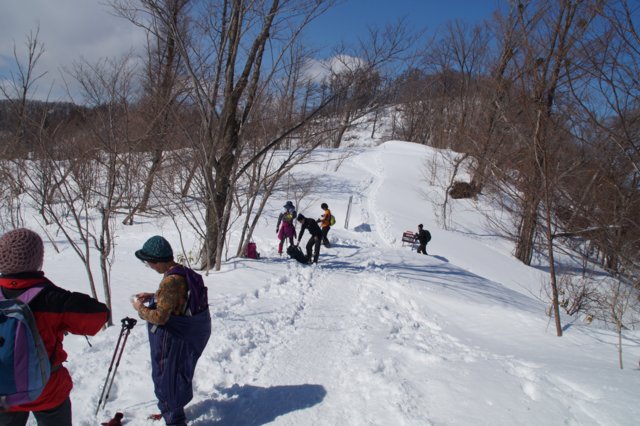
{"type": "Point", "coordinates": [375, 334]}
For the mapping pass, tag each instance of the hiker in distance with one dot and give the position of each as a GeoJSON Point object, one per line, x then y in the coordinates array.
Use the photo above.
{"type": "Point", "coordinates": [285, 227]}
{"type": "Point", "coordinates": [179, 326]}
{"type": "Point", "coordinates": [325, 224]}
{"type": "Point", "coordinates": [423, 237]}
{"type": "Point", "coordinates": [314, 240]}
{"type": "Point", "coordinates": [56, 312]}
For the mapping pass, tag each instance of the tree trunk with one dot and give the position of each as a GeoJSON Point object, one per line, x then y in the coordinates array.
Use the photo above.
{"type": "Point", "coordinates": [219, 187]}
{"type": "Point", "coordinates": [144, 201]}
{"type": "Point", "coordinates": [619, 331]}
{"type": "Point", "coordinates": [529, 220]}
{"type": "Point", "coordinates": [344, 125]}
{"type": "Point", "coordinates": [527, 228]}
{"type": "Point", "coordinates": [105, 249]}
{"type": "Point", "coordinates": [187, 184]}
{"type": "Point", "coordinates": [552, 264]}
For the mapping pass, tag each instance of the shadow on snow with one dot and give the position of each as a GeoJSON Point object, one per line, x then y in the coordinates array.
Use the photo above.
{"type": "Point", "coordinates": [253, 405]}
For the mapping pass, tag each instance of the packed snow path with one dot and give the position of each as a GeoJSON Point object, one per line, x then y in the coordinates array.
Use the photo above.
{"type": "Point", "coordinates": [375, 334]}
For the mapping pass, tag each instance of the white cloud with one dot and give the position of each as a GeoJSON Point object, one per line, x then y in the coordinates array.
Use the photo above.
{"type": "Point", "coordinates": [320, 70]}
{"type": "Point", "coordinates": [70, 30]}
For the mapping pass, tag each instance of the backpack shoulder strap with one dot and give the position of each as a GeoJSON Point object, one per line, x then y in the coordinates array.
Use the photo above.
{"type": "Point", "coordinates": [177, 270]}
{"type": "Point", "coordinates": [26, 296]}
{"type": "Point", "coordinates": [182, 271]}
{"type": "Point", "coordinates": [31, 293]}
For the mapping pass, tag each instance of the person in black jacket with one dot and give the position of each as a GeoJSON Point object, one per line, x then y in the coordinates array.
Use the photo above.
{"type": "Point", "coordinates": [316, 237]}
{"type": "Point", "coordinates": [423, 236]}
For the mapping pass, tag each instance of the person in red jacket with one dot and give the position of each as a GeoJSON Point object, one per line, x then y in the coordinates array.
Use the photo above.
{"type": "Point", "coordinates": [57, 312]}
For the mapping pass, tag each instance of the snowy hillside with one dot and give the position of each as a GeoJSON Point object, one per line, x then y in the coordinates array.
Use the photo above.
{"type": "Point", "coordinates": [375, 334]}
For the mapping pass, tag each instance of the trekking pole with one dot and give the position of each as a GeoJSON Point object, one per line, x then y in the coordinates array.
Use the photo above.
{"type": "Point", "coordinates": [127, 325]}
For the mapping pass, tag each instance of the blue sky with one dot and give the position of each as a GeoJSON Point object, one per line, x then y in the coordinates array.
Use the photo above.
{"type": "Point", "coordinates": [74, 29]}
{"type": "Point", "coordinates": [350, 18]}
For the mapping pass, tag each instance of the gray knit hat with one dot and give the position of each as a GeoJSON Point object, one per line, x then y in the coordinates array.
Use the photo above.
{"type": "Point", "coordinates": [155, 249]}
{"type": "Point", "coordinates": [21, 250]}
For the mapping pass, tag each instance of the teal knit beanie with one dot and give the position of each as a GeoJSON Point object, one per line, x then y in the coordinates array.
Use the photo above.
{"type": "Point", "coordinates": [155, 249]}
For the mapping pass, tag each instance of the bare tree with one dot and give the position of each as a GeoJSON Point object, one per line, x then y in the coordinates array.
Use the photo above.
{"type": "Point", "coordinates": [29, 120]}
{"type": "Point", "coordinates": [223, 46]}
{"type": "Point", "coordinates": [89, 182]}
{"type": "Point", "coordinates": [548, 36]}
{"type": "Point", "coordinates": [20, 86]}
{"type": "Point", "coordinates": [489, 142]}
{"type": "Point", "coordinates": [415, 105]}
{"type": "Point", "coordinates": [161, 82]}
{"type": "Point", "coordinates": [618, 305]}
{"type": "Point", "coordinates": [70, 210]}
{"type": "Point", "coordinates": [16, 91]}
{"type": "Point", "coordinates": [607, 88]}
{"type": "Point", "coordinates": [225, 82]}
{"type": "Point", "coordinates": [362, 89]}
{"type": "Point", "coordinates": [355, 103]}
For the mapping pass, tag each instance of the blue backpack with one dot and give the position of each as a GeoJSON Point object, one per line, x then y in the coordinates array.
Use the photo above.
{"type": "Point", "coordinates": [24, 364]}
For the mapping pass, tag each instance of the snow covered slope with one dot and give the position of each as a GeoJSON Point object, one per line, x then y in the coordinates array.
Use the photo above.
{"type": "Point", "coordinates": [375, 334]}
